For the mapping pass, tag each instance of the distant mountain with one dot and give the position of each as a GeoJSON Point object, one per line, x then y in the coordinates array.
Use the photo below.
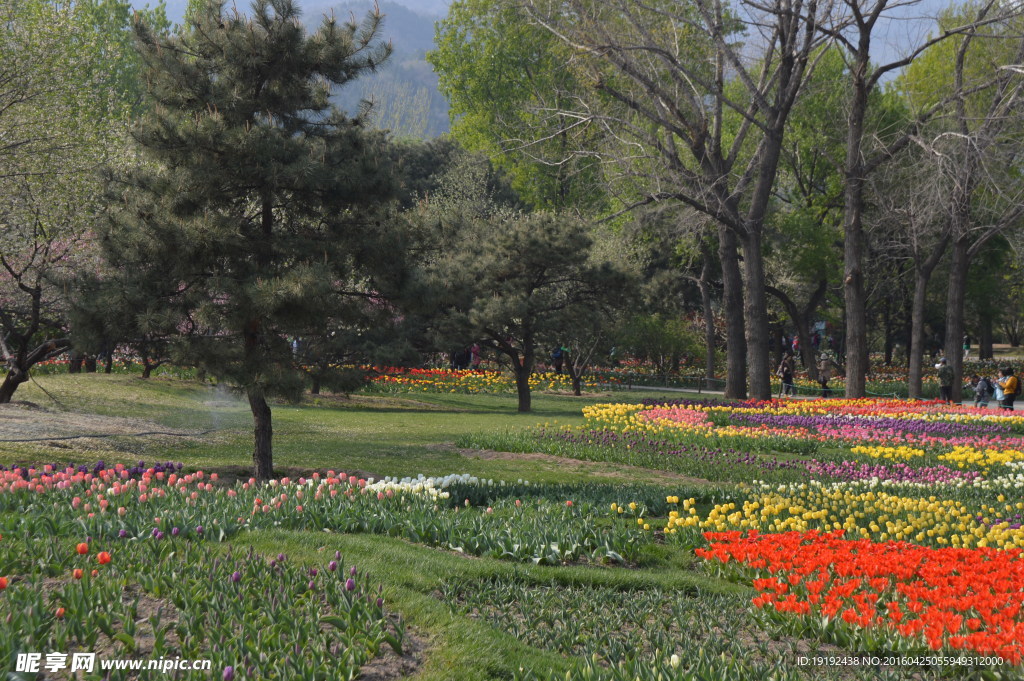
{"type": "Point", "coordinates": [404, 91]}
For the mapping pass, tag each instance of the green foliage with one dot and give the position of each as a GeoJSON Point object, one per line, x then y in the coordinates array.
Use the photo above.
{"type": "Point", "coordinates": [247, 225]}
{"type": "Point", "coordinates": [519, 281]}
{"type": "Point", "coordinates": [662, 340]}
{"type": "Point", "coordinates": [69, 85]}
{"type": "Point", "coordinates": [505, 78]}
{"type": "Point", "coordinates": [175, 596]}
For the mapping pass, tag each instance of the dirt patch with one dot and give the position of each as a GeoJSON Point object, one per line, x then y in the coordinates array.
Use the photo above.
{"type": "Point", "coordinates": [389, 665]}
{"type": "Point", "coordinates": [146, 606]}
{"type": "Point", "coordinates": [597, 468]}
{"type": "Point", "coordinates": [27, 422]}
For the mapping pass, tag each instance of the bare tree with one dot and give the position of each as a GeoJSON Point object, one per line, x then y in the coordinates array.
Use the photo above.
{"type": "Point", "coordinates": [985, 197]}
{"type": "Point", "coordinates": [697, 97]}
{"type": "Point", "coordinates": [911, 225]}
{"type": "Point", "coordinates": [854, 30]}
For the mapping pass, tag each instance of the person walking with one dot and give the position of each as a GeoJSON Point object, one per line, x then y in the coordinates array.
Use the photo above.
{"type": "Point", "coordinates": [825, 368]}
{"type": "Point", "coordinates": [1010, 387]}
{"type": "Point", "coordinates": [785, 372]}
{"type": "Point", "coordinates": [945, 381]}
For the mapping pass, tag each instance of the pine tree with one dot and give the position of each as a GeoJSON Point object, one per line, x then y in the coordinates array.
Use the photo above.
{"type": "Point", "coordinates": [253, 210]}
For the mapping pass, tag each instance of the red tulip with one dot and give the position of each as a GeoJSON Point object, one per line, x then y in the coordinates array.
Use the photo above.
{"type": "Point", "coordinates": [102, 557]}
{"type": "Point", "coordinates": [77, 574]}
{"type": "Point", "coordinates": [59, 614]}
{"type": "Point", "coordinates": [3, 583]}
{"type": "Point", "coordinates": [82, 549]}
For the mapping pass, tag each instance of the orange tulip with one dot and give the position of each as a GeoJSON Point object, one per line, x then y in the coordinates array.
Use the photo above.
{"type": "Point", "coordinates": [102, 557]}
{"type": "Point", "coordinates": [82, 549]}
{"type": "Point", "coordinates": [77, 574]}
{"type": "Point", "coordinates": [59, 614]}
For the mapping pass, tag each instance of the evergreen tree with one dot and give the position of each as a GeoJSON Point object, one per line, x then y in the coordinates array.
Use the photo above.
{"type": "Point", "coordinates": [252, 213]}
{"type": "Point", "coordinates": [522, 282]}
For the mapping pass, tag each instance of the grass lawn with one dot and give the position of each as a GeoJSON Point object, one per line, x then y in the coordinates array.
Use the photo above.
{"type": "Point", "coordinates": [375, 435]}
{"type": "Point", "coordinates": [470, 617]}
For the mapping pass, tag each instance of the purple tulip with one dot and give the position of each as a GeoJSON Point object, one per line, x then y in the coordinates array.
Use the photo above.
{"type": "Point", "coordinates": [175, 532]}
{"type": "Point", "coordinates": [332, 566]}
{"type": "Point", "coordinates": [352, 571]}
{"type": "Point", "coordinates": [122, 534]}
{"type": "Point", "coordinates": [313, 572]}
{"type": "Point", "coordinates": [280, 558]}
{"type": "Point", "coordinates": [229, 673]}
{"type": "Point", "coordinates": [236, 577]}
{"type": "Point", "coordinates": [350, 584]}
{"type": "Point", "coordinates": [199, 529]}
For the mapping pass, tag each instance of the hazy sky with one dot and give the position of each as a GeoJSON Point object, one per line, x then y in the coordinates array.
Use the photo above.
{"type": "Point", "coordinates": [891, 39]}
{"type": "Point", "coordinates": [176, 8]}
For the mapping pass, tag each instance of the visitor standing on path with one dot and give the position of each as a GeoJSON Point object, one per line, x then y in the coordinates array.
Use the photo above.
{"type": "Point", "coordinates": [1010, 387]}
{"type": "Point", "coordinates": [945, 380]}
{"type": "Point", "coordinates": [785, 372]}
{"type": "Point", "coordinates": [983, 390]}
{"type": "Point", "coordinates": [825, 368]}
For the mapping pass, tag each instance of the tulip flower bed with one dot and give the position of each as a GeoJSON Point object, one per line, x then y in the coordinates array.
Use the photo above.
{"type": "Point", "coordinates": [888, 596]}
{"type": "Point", "coordinates": [115, 506]}
{"type": "Point", "coordinates": [629, 634]}
{"type": "Point", "coordinates": [809, 426]}
{"type": "Point", "coordinates": [692, 458]}
{"type": "Point", "coordinates": [250, 616]}
{"type": "Point", "coordinates": [397, 380]}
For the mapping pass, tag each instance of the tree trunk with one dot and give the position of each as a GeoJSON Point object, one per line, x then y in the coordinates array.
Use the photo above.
{"type": "Point", "coordinates": [523, 388]}
{"type": "Point", "coordinates": [985, 337]}
{"type": "Point", "coordinates": [90, 364]}
{"type": "Point", "coordinates": [955, 296]}
{"type": "Point", "coordinates": [853, 250]}
{"type": "Point", "coordinates": [802, 322]}
{"type": "Point", "coordinates": [709, 314]}
{"type": "Point", "coordinates": [732, 299]}
{"type": "Point", "coordinates": [262, 453]}
{"type": "Point", "coordinates": [922, 275]}
{"type": "Point", "coordinates": [11, 382]}
{"type": "Point", "coordinates": [75, 363]}
{"type": "Point", "coordinates": [108, 363]}
{"type": "Point", "coordinates": [887, 317]}
{"type": "Point", "coordinates": [916, 351]}
{"type": "Point", "coordinates": [147, 369]}
{"type": "Point", "coordinates": [24, 359]}
{"type": "Point", "coordinates": [575, 374]}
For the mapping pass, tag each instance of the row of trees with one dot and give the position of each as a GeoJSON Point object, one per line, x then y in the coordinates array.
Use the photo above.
{"type": "Point", "coordinates": [772, 136]}
{"type": "Point", "coordinates": [204, 201]}
{"type": "Point", "coordinates": [235, 210]}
